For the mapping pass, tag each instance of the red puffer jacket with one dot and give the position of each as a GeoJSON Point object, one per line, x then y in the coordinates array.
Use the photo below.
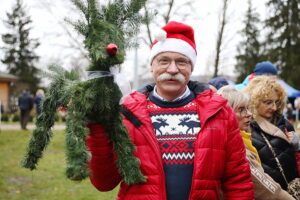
{"type": "Point", "coordinates": [219, 160]}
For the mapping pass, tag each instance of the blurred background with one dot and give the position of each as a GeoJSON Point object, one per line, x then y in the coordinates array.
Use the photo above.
{"type": "Point", "coordinates": [231, 37]}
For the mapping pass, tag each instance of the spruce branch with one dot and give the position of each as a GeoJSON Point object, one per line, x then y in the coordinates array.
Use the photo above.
{"type": "Point", "coordinates": [55, 98]}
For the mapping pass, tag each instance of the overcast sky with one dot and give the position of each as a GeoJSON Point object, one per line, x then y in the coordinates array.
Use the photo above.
{"type": "Point", "coordinates": [45, 27]}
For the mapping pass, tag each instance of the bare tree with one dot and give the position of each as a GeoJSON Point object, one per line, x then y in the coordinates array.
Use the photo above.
{"type": "Point", "coordinates": [222, 23]}
{"type": "Point", "coordinates": [167, 10]}
{"type": "Point", "coordinates": [73, 43]}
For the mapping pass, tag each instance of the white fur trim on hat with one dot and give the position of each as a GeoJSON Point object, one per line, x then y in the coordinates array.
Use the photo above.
{"type": "Point", "coordinates": [174, 45]}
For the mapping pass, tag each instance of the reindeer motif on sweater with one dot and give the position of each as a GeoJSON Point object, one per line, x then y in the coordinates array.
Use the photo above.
{"type": "Point", "coordinates": [186, 121]}
{"type": "Point", "coordinates": [176, 127]}
{"type": "Point", "coordinates": [160, 122]}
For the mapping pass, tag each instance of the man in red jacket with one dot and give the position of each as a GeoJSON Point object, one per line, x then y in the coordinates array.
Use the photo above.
{"type": "Point", "coordinates": [187, 137]}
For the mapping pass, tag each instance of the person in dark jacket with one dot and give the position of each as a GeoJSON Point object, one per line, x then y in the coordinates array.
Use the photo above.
{"type": "Point", "coordinates": [186, 136]}
{"type": "Point", "coordinates": [267, 101]}
{"type": "Point", "coordinates": [25, 103]}
{"type": "Point", "coordinates": [218, 82]}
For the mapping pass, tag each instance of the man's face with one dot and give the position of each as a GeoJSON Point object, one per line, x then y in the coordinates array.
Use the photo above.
{"type": "Point", "coordinates": [171, 72]}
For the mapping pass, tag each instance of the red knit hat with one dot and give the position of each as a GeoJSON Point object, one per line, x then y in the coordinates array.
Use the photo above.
{"type": "Point", "coordinates": [175, 37]}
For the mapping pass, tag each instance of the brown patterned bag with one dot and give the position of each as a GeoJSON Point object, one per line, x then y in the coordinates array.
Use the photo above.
{"type": "Point", "coordinates": [293, 187]}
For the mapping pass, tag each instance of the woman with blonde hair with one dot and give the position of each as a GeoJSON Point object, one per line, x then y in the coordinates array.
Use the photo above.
{"type": "Point", "coordinates": [272, 135]}
{"type": "Point", "coordinates": [39, 96]}
{"type": "Point", "coordinates": [264, 186]}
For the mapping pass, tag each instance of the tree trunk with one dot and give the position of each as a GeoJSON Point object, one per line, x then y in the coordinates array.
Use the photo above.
{"type": "Point", "coordinates": [223, 22]}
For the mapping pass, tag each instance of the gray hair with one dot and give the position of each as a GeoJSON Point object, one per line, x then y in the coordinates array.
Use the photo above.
{"type": "Point", "coordinates": [235, 98]}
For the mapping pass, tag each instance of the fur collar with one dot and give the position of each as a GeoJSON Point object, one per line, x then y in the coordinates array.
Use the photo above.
{"type": "Point", "coordinates": [270, 128]}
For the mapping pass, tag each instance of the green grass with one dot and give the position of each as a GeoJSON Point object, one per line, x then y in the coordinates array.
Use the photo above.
{"type": "Point", "coordinates": [29, 123]}
{"type": "Point", "coordinates": [48, 181]}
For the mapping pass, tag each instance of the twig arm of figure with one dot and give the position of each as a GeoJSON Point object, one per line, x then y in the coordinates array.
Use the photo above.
{"type": "Point", "coordinates": [55, 98]}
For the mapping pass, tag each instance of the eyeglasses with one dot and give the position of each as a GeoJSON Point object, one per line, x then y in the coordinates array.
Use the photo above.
{"type": "Point", "coordinates": [270, 103]}
{"type": "Point", "coordinates": [243, 111]}
{"type": "Point", "coordinates": [181, 63]}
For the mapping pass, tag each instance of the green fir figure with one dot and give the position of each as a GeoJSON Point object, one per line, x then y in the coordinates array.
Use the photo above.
{"type": "Point", "coordinates": [107, 30]}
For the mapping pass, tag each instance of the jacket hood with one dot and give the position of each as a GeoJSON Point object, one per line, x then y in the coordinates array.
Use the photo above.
{"type": "Point", "coordinates": [208, 101]}
{"type": "Point", "coordinates": [246, 81]}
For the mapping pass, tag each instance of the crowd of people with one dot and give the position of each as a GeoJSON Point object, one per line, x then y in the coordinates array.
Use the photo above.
{"type": "Point", "coordinates": [265, 116]}
{"type": "Point", "coordinates": [201, 140]}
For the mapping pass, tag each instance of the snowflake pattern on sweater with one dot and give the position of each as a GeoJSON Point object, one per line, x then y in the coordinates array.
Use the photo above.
{"type": "Point", "coordinates": [176, 129]}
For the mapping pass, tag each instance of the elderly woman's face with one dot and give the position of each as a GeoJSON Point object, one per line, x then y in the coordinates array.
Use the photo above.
{"type": "Point", "coordinates": [243, 115]}
{"type": "Point", "coordinates": [269, 106]}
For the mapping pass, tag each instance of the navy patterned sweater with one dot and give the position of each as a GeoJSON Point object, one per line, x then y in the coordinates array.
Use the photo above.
{"type": "Point", "coordinates": [176, 125]}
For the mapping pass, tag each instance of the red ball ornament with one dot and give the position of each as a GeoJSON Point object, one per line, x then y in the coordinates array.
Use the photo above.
{"type": "Point", "coordinates": [112, 49]}
{"type": "Point", "coordinates": [62, 109]}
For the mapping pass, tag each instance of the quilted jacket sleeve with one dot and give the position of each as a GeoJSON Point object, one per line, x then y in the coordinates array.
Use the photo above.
{"type": "Point", "coordinates": [104, 173]}
{"type": "Point", "coordinates": [237, 181]}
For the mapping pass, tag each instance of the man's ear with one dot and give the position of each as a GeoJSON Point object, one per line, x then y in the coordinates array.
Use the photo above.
{"type": "Point", "coordinates": [151, 67]}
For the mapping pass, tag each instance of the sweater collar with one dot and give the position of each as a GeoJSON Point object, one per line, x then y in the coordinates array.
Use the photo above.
{"type": "Point", "coordinates": [186, 93]}
{"type": "Point", "coordinates": [178, 102]}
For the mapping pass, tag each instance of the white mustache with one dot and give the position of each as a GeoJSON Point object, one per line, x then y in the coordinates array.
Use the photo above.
{"type": "Point", "coordinates": [166, 76]}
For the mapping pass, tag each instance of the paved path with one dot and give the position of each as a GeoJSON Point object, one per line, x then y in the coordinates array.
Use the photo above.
{"type": "Point", "coordinates": [4, 126]}
{"type": "Point", "coordinates": [29, 126]}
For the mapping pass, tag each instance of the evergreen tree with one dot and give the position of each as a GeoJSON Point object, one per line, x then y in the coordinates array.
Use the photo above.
{"type": "Point", "coordinates": [19, 48]}
{"type": "Point", "coordinates": [283, 39]}
{"type": "Point", "coordinates": [249, 50]}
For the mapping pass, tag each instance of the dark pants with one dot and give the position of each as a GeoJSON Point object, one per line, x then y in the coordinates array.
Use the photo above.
{"type": "Point", "coordinates": [24, 118]}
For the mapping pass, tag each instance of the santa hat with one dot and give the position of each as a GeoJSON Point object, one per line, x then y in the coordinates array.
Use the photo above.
{"type": "Point", "coordinates": [175, 37]}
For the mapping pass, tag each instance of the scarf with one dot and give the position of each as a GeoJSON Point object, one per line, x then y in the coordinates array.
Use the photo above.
{"type": "Point", "coordinates": [270, 128]}
{"type": "Point", "coordinates": [247, 141]}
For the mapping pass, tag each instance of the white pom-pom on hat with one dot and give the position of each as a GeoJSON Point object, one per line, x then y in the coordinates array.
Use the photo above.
{"type": "Point", "coordinates": [160, 35]}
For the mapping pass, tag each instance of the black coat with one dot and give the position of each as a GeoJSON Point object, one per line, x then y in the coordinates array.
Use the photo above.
{"type": "Point", "coordinates": [283, 150]}
{"type": "Point", "coordinates": [25, 101]}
